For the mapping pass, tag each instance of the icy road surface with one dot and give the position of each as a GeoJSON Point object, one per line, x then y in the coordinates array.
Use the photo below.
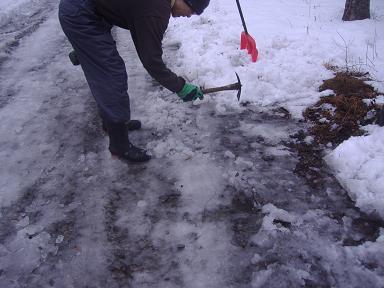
{"type": "Point", "coordinates": [218, 206]}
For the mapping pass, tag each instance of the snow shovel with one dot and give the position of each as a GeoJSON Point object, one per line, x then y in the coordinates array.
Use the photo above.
{"type": "Point", "coordinates": [247, 42]}
{"type": "Point", "coordinates": [234, 86]}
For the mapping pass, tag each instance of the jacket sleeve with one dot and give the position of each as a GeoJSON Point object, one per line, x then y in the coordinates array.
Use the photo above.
{"type": "Point", "coordinates": [147, 35]}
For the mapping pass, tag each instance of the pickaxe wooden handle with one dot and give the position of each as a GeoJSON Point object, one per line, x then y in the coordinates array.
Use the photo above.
{"type": "Point", "coordinates": [234, 86]}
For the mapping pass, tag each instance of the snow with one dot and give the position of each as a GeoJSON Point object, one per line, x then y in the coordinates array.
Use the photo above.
{"type": "Point", "coordinates": [22, 167]}
{"type": "Point", "coordinates": [295, 273]}
{"type": "Point", "coordinates": [295, 40]}
{"type": "Point", "coordinates": [359, 165]}
{"type": "Point", "coordinates": [7, 6]}
{"type": "Point", "coordinates": [67, 208]}
{"type": "Point", "coordinates": [269, 133]}
{"type": "Point", "coordinates": [293, 45]}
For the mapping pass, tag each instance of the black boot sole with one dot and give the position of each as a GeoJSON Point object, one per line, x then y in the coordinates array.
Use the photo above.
{"type": "Point", "coordinates": [129, 160]}
{"type": "Point", "coordinates": [126, 158]}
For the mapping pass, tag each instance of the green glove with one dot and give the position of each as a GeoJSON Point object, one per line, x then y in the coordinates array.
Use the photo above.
{"type": "Point", "coordinates": [190, 92]}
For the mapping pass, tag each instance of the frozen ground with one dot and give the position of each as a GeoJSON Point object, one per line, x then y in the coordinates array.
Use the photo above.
{"type": "Point", "coordinates": [218, 206]}
{"type": "Point", "coordinates": [296, 40]}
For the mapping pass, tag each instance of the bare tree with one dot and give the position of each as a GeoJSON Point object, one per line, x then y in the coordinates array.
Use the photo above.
{"type": "Point", "coordinates": [356, 10]}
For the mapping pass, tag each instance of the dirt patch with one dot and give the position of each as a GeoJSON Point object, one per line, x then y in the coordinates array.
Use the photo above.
{"type": "Point", "coordinates": [311, 164]}
{"type": "Point", "coordinates": [339, 116]}
{"type": "Point", "coordinates": [333, 119]}
{"type": "Point", "coordinates": [349, 84]}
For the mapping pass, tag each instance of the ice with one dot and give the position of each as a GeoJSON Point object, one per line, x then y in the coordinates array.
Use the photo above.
{"type": "Point", "coordinates": [23, 222]}
{"type": "Point", "coordinates": [211, 209]}
{"type": "Point", "coordinates": [256, 259]}
{"type": "Point", "coordinates": [229, 154]}
{"type": "Point", "coordinates": [243, 163]}
{"type": "Point", "coordinates": [380, 100]}
{"type": "Point", "coordinates": [59, 239]}
{"type": "Point", "coordinates": [272, 135]}
{"type": "Point", "coordinates": [200, 182]}
{"type": "Point", "coordinates": [273, 213]}
{"type": "Point", "coordinates": [277, 151]}
{"type": "Point", "coordinates": [142, 204]}
{"type": "Point", "coordinates": [260, 277]}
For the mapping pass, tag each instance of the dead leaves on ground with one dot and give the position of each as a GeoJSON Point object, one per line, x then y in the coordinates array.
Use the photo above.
{"type": "Point", "coordinates": [337, 117]}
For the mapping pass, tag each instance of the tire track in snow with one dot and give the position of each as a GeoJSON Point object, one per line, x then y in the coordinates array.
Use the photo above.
{"type": "Point", "coordinates": [133, 212]}
{"type": "Point", "coordinates": [53, 222]}
{"type": "Point", "coordinates": [18, 29]}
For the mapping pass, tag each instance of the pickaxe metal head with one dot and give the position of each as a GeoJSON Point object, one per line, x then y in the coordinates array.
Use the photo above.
{"type": "Point", "coordinates": [239, 87]}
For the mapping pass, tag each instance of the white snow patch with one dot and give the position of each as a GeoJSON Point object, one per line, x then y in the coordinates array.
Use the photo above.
{"type": "Point", "coordinates": [270, 133]}
{"type": "Point", "coordinates": [359, 166]}
{"type": "Point", "coordinates": [199, 182]}
{"type": "Point", "coordinates": [229, 154]}
{"type": "Point", "coordinates": [260, 277]}
{"type": "Point", "coordinates": [277, 151]}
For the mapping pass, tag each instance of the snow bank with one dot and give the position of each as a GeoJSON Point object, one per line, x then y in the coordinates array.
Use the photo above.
{"type": "Point", "coordinates": [294, 38]}
{"type": "Point", "coordinates": [359, 166]}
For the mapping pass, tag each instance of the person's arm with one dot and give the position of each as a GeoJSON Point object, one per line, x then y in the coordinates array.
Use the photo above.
{"type": "Point", "coordinates": [147, 35]}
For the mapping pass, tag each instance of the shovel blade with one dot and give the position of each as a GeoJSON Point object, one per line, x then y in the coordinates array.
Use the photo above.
{"type": "Point", "coordinates": [247, 42]}
{"type": "Point", "coordinates": [243, 41]}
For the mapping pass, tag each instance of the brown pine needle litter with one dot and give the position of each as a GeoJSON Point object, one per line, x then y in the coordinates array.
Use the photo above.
{"type": "Point", "coordinates": [337, 117]}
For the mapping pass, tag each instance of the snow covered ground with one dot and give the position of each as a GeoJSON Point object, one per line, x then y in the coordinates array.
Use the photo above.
{"type": "Point", "coordinates": [295, 39]}
{"type": "Point", "coordinates": [220, 204]}
{"type": "Point", "coordinates": [9, 6]}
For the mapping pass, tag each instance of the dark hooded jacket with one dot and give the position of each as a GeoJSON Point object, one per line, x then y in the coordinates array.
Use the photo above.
{"type": "Point", "coordinates": [147, 21]}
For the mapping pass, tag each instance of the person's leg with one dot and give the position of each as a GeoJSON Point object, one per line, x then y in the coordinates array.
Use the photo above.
{"type": "Point", "coordinates": [120, 146]}
{"type": "Point", "coordinates": [132, 125]}
{"type": "Point", "coordinates": [96, 51]}
{"type": "Point", "coordinates": [104, 70]}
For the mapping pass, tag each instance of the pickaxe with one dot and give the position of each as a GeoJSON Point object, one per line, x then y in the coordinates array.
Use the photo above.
{"type": "Point", "coordinates": [234, 86]}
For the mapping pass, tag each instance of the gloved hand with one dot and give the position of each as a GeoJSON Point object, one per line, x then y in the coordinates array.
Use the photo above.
{"type": "Point", "coordinates": [190, 92]}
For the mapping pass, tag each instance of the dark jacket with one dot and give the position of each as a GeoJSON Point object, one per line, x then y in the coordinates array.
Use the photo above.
{"type": "Point", "coordinates": [147, 20]}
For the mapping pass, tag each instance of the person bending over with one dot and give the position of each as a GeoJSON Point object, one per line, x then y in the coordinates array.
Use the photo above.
{"type": "Point", "coordinates": [87, 25]}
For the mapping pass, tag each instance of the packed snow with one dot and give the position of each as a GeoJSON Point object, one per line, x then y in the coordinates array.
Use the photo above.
{"type": "Point", "coordinates": [359, 165]}
{"type": "Point", "coordinates": [8, 6]}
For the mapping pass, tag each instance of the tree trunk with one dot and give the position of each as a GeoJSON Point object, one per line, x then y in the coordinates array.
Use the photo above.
{"type": "Point", "coordinates": [356, 10]}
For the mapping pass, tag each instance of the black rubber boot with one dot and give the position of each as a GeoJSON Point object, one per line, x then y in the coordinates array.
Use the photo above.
{"type": "Point", "coordinates": [131, 125]}
{"type": "Point", "coordinates": [380, 117]}
{"type": "Point", "coordinates": [120, 146]}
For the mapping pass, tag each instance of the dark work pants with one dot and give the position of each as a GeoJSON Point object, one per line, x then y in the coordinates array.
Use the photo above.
{"type": "Point", "coordinates": [104, 69]}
